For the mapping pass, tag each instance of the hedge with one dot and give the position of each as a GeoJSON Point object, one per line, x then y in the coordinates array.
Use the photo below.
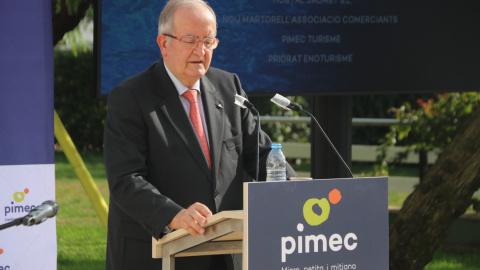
{"type": "Point", "coordinates": [75, 101]}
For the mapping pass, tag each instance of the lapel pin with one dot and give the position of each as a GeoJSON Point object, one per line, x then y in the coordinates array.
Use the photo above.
{"type": "Point", "coordinates": [219, 106]}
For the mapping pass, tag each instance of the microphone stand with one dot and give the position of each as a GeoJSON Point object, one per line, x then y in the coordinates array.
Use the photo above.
{"type": "Point", "coordinates": [286, 104]}
{"type": "Point", "coordinates": [257, 129]}
{"type": "Point", "coordinates": [12, 223]}
{"type": "Point", "coordinates": [244, 103]}
{"type": "Point", "coordinates": [326, 137]}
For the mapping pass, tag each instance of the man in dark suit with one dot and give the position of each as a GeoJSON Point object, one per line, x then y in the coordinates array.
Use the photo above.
{"type": "Point", "coordinates": [163, 173]}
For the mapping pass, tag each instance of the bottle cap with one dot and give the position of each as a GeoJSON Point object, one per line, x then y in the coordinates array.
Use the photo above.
{"type": "Point", "coordinates": [276, 146]}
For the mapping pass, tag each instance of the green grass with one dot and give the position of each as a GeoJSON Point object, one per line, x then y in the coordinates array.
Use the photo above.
{"type": "Point", "coordinates": [454, 260]}
{"type": "Point", "coordinates": [396, 199]}
{"type": "Point", "coordinates": [82, 238]}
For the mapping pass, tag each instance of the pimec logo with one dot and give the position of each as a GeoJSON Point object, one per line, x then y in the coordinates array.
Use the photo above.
{"type": "Point", "coordinates": [16, 206]}
{"type": "Point", "coordinates": [3, 267]}
{"type": "Point", "coordinates": [305, 243]}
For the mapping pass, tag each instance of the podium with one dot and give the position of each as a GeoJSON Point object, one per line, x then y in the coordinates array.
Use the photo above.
{"type": "Point", "coordinates": [223, 235]}
{"type": "Point", "coordinates": [316, 224]}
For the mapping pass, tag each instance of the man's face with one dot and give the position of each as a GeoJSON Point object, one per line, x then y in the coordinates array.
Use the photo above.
{"type": "Point", "coordinates": [189, 64]}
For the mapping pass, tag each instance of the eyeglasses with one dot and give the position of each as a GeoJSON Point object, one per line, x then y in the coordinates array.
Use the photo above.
{"type": "Point", "coordinates": [192, 41]}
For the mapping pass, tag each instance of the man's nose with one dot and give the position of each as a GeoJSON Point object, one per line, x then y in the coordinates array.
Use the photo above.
{"type": "Point", "coordinates": [200, 46]}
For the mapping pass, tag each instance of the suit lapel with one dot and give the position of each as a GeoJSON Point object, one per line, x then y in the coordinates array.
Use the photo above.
{"type": "Point", "coordinates": [214, 116]}
{"type": "Point", "coordinates": [172, 109]}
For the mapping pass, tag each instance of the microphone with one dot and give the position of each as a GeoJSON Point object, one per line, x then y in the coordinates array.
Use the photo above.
{"type": "Point", "coordinates": [286, 104]}
{"type": "Point", "coordinates": [40, 213]}
{"type": "Point", "coordinates": [244, 103]}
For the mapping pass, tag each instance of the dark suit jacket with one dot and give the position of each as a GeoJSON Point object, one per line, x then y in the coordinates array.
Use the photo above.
{"type": "Point", "coordinates": [155, 164]}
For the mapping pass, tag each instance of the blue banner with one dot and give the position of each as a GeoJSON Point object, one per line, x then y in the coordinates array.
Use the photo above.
{"type": "Point", "coordinates": [26, 83]}
{"type": "Point", "coordinates": [27, 170]}
{"type": "Point", "coordinates": [314, 46]}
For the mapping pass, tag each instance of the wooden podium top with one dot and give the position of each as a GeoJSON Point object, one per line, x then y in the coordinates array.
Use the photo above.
{"type": "Point", "coordinates": [223, 227]}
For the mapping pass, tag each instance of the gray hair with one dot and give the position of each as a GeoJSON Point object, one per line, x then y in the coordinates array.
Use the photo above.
{"type": "Point", "coordinates": [165, 21]}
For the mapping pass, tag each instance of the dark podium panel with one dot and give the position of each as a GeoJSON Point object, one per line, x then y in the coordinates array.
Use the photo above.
{"type": "Point", "coordinates": [321, 224]}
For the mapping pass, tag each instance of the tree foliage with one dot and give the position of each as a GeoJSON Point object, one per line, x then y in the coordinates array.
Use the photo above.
{"type": "Point", "coordinates": [430, 126]}
{"type": "Point", "coordinates": [66, 15]}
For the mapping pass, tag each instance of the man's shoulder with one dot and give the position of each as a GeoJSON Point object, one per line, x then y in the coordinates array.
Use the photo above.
{"type": "Point", "coordinates": [216, 74]}
{"type": "Point", "coordinates": [144, 77]}
{"type": "Point", "coordinates": [138, 84]}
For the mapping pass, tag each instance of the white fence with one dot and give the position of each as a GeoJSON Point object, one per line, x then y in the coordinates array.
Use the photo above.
{"type": "Point", "coordinates": [360, 153]}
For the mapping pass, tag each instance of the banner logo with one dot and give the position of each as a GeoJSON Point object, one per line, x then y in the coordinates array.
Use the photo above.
{"type": "Point", "coordinates": [4, 267]}
{"type": "Point", "coordinates": [312, 218]}
{"type": "Point", "coordinates": [20, 196]}
{"type": "Point", "coordinates": [16, 207]}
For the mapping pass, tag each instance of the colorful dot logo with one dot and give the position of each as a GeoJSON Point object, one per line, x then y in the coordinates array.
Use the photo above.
{"type": "Point", "coordinates": [1, 251]}
{"type": "Point", "coordinates": [314, 219]}
{"type": "Point", "coordinates": [20, 196]}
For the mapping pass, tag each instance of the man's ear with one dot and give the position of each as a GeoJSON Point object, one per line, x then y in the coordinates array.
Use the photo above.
{"type": "Point", "coordinates": [162, 44]}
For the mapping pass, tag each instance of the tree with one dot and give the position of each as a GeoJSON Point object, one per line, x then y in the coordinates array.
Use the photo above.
{"type": "Point", "coordinates": [428, 128]}
{"type": "Point", "coordinates": [66, 15]}
{"type": "Point", "coordinates": [444, 194]}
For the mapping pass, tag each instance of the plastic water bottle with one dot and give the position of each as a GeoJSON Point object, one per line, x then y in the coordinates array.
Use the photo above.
{"type": "Point", "coordinates": [276, 164]}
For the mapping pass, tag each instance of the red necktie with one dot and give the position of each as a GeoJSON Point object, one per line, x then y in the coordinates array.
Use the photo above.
{"type": "Point", "coordinates": [191, 96]}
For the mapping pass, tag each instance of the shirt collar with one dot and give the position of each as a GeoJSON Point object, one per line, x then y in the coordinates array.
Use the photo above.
{"type": "Point", "coordinates": [181, 88]}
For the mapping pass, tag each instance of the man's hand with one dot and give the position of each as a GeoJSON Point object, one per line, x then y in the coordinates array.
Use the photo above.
{"type": "Point", "coordinates": [191, 219]}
